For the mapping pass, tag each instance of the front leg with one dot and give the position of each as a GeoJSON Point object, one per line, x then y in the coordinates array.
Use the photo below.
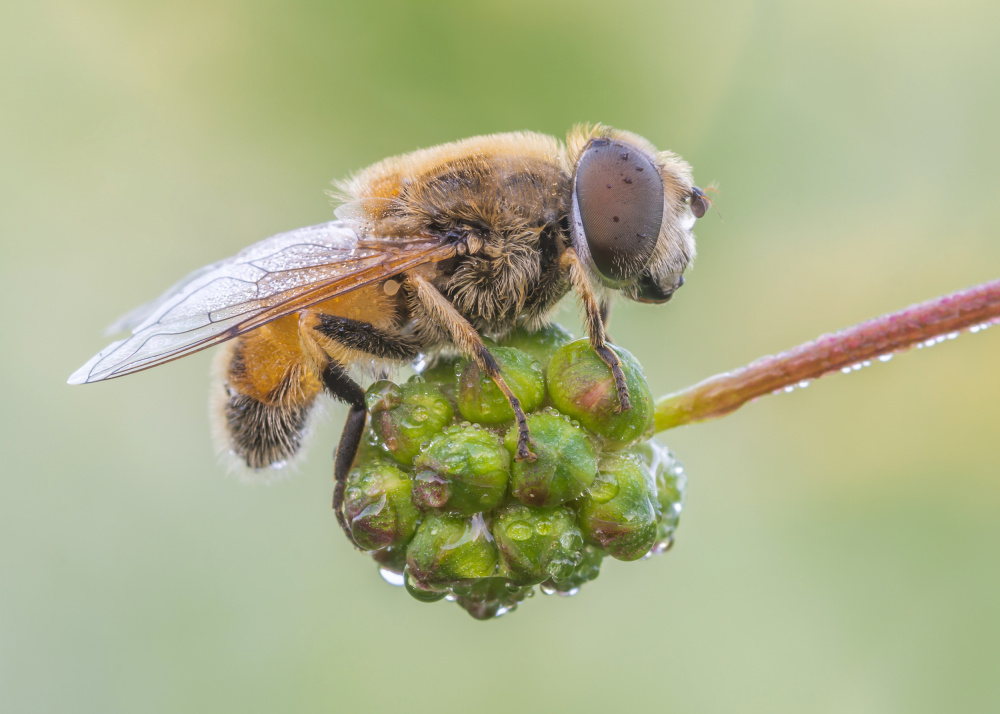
{"type": "Point", "coordinates": [605, 313]}
{"type": "Point", "coordinates": [468, 341]}
{"type": "Point", "coordinates": [593, 309]}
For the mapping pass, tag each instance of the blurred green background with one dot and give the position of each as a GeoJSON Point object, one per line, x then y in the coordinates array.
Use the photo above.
{"type": "Point", "coordinates": [839, 552]}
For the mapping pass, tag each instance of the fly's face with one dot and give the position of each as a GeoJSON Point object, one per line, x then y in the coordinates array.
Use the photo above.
{"type": "Point", "coordinates": [632, 213]}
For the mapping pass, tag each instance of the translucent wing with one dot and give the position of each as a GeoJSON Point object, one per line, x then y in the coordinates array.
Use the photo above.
{"type": "Point", "coordinates": [275, 277]}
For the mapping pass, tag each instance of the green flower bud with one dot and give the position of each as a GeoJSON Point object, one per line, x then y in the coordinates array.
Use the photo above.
{"type": "Point", "coordinates": [619, 512]}
{"type": "Point", "coordinates": [422, 591]}
{"type": "Point", "coordinates": [392, 560]}
{"type": "Point", "coordinates": [443, 374]}
{"type": "Point", "coordinates": [671, 481]}
{"type": "Point", "coordinates": [542, 344]}
{"type": "Point", "coordinates": [582, 386]}
{"type": "Point", "coordinates": [536, 543]}
{"type": "Point", "coordinates": [566, 465]}
{"type": "Point", "coordinates": [586, 570]}
{"type": "Point", "coordinates": [429, 496]}
{"type": "Point", "coordinates": [377, 505]}
{"type": "Point", "coordinates": [480, 399]}
{"type": "Point", "coordinates": [447, 549]}
{"type": "Point", "coordinates": [405, 417]}
{"type": "Point", "coordinates": [463, 470]}
{"type": "Point", "coordinates": [488, 598]}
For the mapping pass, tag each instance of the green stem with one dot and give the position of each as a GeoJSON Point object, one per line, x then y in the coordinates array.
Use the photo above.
{"type": "Point", "coordinates": [925, 323]}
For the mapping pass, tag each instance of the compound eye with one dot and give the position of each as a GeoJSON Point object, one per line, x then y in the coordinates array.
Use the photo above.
{"type": "Point", "coordinates": [620, 195]}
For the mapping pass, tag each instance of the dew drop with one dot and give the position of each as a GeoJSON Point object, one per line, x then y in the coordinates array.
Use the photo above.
{"type": "Point", "coordinates": [561, 568]}
{"type": "Point", "coordinates": [884, 358]}
{"type": "Point", "coordinates": [392, 577]}
{"type": "Point", "coordinates": [603, 489]}
{"type": "Point", "coordinates": [662, 546]}
{"type": "Point", "coordinates": [571, 541]}
{"type": "Point", "coordinates": [518, 530]}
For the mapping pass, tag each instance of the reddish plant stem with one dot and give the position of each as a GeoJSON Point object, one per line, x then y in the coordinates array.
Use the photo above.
{"type": "Point", "coordinates": [724, 393]}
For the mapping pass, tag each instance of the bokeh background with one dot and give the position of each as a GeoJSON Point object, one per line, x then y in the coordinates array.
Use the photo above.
{"type": "Point", "coordinates": [839, 551]}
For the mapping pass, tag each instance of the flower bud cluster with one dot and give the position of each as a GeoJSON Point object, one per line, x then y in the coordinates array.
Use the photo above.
{"type": "Point", "coordinates": [443, 506]}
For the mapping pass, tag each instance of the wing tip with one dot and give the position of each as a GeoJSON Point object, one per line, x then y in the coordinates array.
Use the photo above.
{"type": "Point", "coordinates": [88, 373]}
{"type": "Point", "coordinates": [80, 376]}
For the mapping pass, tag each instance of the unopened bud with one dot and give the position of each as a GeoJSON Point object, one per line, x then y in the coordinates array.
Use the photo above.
{"type": "Point", "coordinates": [463, 470]}
{"type": "Point", "coordinates": [405, 417]}
{"type": "Point", "coordinates": [565, 466]}
{"type": "Point", "coordinates": [619, 512]}
{"type": "Point", "coordinates": [480, 399]}
{"type": "Point", "coordinates": [377, 505]}
{"type": "Point", "coordinates": [671, 481]}
{"type": "Point", "coordinates": [443, 374]}
{"type": "Point", "coordinates": [542, 344]}
{"type": "Point", "coordinates": [488, 598]}
{"type": "Point", "coordinates": [586, 570]}
{"type": "Point", "coordinates": [448, 549]}
{"type": "Point", "coordinates": [536, 543]}
{"type": "Point", "coordinates": [582, 386]}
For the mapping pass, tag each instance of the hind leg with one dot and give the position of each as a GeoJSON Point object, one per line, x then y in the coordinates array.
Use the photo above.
{"type": "Point", "coordinates": [335, 342]}
{"type": "Point", "coordinates": [342, 387]}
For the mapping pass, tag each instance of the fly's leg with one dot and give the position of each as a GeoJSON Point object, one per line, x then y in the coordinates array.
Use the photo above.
{"type": "Point", "coordinates": [342, 387]}
{"type": "Point", "coordinates": [605, 313]}
{"type": "Point", "coordinates": [332, 340]}
{"type": "Point", "coordinates": [594, 320]}
{"type": "Point", "coordinates": [468, 341]}
{"type": "Point", "coordinates": [366, 338]}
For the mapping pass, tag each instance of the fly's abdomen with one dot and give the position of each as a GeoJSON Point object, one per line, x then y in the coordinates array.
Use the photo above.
{"type": "Point", "coordinates": [266, 395]}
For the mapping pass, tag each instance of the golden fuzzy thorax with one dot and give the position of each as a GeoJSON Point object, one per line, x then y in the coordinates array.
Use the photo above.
{"type": "Point", "coordinates": [506, 202]}
{"type": "Point", "coordinates": [509, 196]}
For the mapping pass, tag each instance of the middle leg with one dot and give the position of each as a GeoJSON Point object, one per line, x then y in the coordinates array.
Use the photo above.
{"type": "Point", "coordinates": [468, 341]}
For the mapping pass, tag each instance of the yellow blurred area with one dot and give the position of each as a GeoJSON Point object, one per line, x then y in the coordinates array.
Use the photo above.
{"type": "Point", "coordinates": [839, 548]}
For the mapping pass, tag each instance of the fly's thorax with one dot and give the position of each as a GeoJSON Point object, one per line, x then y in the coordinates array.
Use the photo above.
{"type": "Point", "coordinates": [504, 198]}
{"type": "Point", "coordinates": [485, 182]}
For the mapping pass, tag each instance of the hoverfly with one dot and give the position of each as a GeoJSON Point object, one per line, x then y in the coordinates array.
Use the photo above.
{"type": "Point", "coordinates": [430, 250]}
